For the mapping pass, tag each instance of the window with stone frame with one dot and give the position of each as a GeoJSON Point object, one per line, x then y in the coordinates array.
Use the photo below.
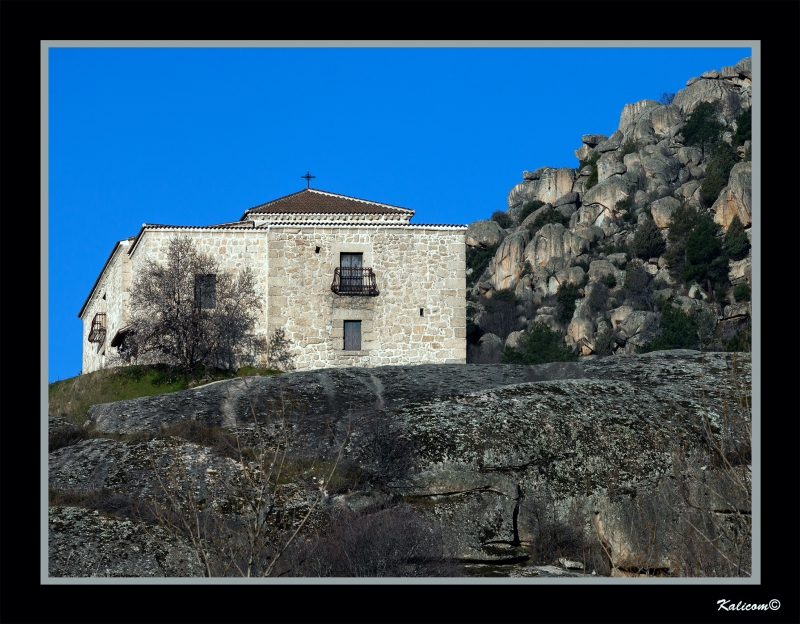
{"type": "Point", "coordinates": [205, 291]}
{"type": "Point", "coordinates": [352, 335]}
{"type": "Point", "coordinates": [350, 271]}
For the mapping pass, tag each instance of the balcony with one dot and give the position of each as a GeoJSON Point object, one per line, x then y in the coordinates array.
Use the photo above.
{"type": "Point", "coordinates": [98, 331]}
{"type": "Point", "coordinates": [354, 281]}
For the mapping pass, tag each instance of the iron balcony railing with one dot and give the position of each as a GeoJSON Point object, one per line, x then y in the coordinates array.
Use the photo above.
{"type": "Point", "coordinates": [354, 281]}
{"type": "Point", "coordinates": [98, 331]}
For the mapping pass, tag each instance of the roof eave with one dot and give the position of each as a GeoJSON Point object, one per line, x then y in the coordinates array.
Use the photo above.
{"type": "Point", "coordinates": [100, 276]}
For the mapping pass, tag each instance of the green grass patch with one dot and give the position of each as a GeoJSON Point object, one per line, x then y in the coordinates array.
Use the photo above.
{"type": "Point", "coordinates": [252, 371]}
{"type": "Point", "coordinates": [75, 395]}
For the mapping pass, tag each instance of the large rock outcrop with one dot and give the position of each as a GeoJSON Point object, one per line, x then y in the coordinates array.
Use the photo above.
{"type": "Point", "coordinates": [487, 440]}
{"type": "Point", "coordinates": [548, 185]}
{"type": "Point", "coordinates": [736, 198]}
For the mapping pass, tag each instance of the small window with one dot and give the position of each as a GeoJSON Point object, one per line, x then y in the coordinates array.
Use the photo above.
{"type": "Point", "coordinates": [352, 335]}
{"type": "Point", "coordinates": [422, 311]}
{"type": "Point", "coordinates": [205, 291]}
{"type": "Point", "coordinates": [351, 272]}
{"type": "Point", "coordinates": [316, 250]}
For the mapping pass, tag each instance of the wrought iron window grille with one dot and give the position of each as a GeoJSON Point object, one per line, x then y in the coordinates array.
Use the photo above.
{"type": "Point", "coordinates": [354, 281]}
{"type": "Point", "coordinates": [98, 331]}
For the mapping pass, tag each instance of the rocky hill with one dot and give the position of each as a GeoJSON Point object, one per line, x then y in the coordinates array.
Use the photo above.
{"type": "Point", "coordinates": [660, 211]}
{"type": "Point", "coordinates": [556, 462]}
{"type": "Point", "coordinates": [597, 464]}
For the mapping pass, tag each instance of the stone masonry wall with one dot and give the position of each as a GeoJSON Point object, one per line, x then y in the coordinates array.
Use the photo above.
{"type": "Point", "coordinates": [114, 287]}
{"type": "Point", "coordinates": [234, 250]}
{"type": "Point", "coordinates": [416, 267]}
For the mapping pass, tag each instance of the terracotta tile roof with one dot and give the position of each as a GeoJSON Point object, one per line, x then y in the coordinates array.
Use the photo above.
{"type": "Point", "coordinates": [314, 201]}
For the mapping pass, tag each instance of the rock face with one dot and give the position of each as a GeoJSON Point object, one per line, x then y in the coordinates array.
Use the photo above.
{"type": "Point", "coordinates": [554, 241]}
{"type": "Point", "coordinates": [84, 543]}
{"type": "Point", "coordinates": [486, 441]}
{"type": "Point", "coordinates": [730, 94]}
{"type": "Point", "coordinates": [506, 266]}
{"type": "Point", "coordinates": [608, 192]}
{"type": "Point", "coordinates": [644, 169]}
{"type": "Point", "coordinates": [662, 210]}
{"type": "Point", "coordinates": [735, 199]}
{"type": "Point", "coordinates": [548, 186]}
{"type": "Point", "coordinates": [484, 233]}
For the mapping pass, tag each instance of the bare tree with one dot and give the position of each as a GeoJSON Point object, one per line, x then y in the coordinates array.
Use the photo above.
{"type": "Point", "coordinates": [241, 521]}
{"type": "Point", "coordinates": [394, 541]}
{"type": "Point", "coordinates": [192, 313]}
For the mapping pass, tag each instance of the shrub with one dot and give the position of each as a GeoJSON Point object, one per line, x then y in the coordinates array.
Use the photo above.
{"type": "Point", "coordinates": [474, 332]}
{"type": "Point", "coordinates": [566, 296]}
{"type": "Point", "coordinates": [625, 206]}
{"type": "Point", "coordinates": [743, 127]}
{"type": "Point", "coordinates": [702, 128]}
{"type": "Point", "coordinates": [608, 280]}
{"type": "Point", "coordinates": [637, 289]}
{"type": "Point", "coordinates": [107, 502]}
{"type": "Point", "coordinates": [736, 243]}
{"type": "Point", "coordinates": [539, 346]}
{"type": "Point", "coordinates": [505, 294]}
{"type": "Point", "coordinates": [628, 147]}
{"type": "Point", "coordinates": [614, 248]}
{"type": "Point", "coordinates": [592, 181]}
{"type": "Point", "coordinates": [223, 442]}
{"type": "Point", "coordinates": [717, 172]}
{"type": "Point", "coordinates": [478, 258]}
{"type": "Point", "coordinates": [598, 296]}
{"type": "Point", "coordinates": [591, 161]}
{"type": "Point", "coordinates": [384, 455]}
{"type": "Point", "coordinates": [720, 296]}
{"type": "Point", "coordinates": [678, 330]}
{"type": "Point", "coordinates": [666, 98]}
{"type": "Point", "coordinates": [529, 208]}
{"type": "Point", "coordinates": [388, 542]}
{"type": "Point", "coordinates": [502, 219]}
{"type": "Point", "coordinates": [741, 340]}
{"type": "Point", "coordinates": [683, 221]}
{"type": "Point", "coordinates": [604, 341]}
{"type": "Point", "coordinates": [648, 241]}
{"type": "Point", "coordinates": [705, 257]}
{"type": "Point", "coordinates": [65, 434]}
{"type": "Point", "coordinates": [548, 216]}
{"type": "Point", "coordinates": [500, 317]}
{"type": "Point", "coordinates": [527, 269]}
{"type": "Point", "coordinates": [484, 354]}
{"type": "Point", "coordinates": [741, 292]}
{"type": "Point", "coordinates": [555, 532]}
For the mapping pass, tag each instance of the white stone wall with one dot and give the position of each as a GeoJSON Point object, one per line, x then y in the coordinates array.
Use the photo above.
{"type": "Point", "coordinates": [234, 250]}
{"type": "Point", "coordinates": [113, 285]}
{"type": "Point", "coordinates": [416, 267]}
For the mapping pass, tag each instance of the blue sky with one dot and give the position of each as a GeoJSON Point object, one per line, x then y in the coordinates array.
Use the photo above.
{"type": "Point", "coordinates": [193, 136]}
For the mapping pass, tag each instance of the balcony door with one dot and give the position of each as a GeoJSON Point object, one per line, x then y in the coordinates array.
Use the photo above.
{"type": "Point", "coordinates": [350, 271]}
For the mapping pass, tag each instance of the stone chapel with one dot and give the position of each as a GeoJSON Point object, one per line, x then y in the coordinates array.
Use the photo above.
{"type": "Point", "coordinates": [348, 282]}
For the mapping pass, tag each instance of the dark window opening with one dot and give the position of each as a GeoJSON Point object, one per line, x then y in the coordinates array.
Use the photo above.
{"type": "Point", "coordinates": [316, 250]}
{"type": "Point", "coordinates": [350, 271]}
{"type": "Point", "coordinates": [421, 312]}
{"type": "Point", "coordinates": [205, 291]}
{"type": "Point", "coordinates": [352, 335]}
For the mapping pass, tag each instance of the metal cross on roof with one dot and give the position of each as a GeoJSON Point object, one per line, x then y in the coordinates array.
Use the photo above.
{"type": "Point", "coordinates": [307, 178]}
